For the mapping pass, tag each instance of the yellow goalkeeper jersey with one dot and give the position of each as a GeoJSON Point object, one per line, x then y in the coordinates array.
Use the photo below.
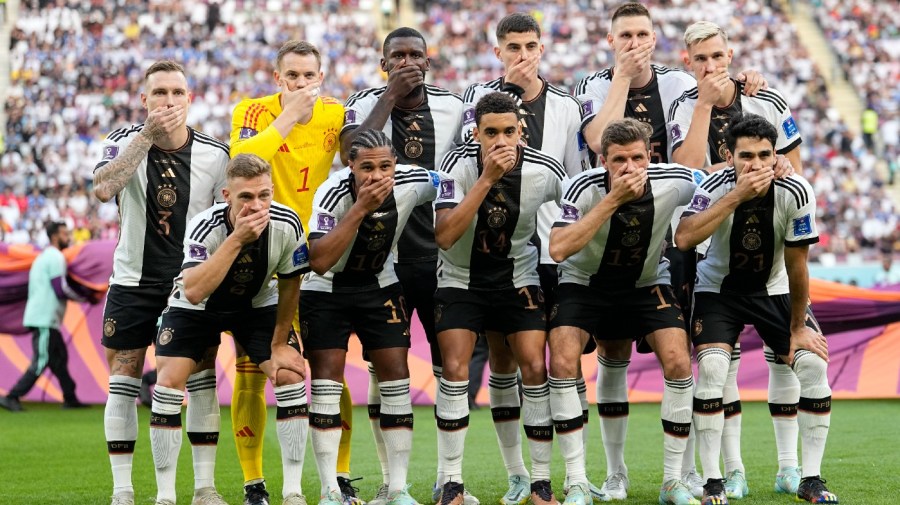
{"type": "Point", "coordinates": [302, 161]}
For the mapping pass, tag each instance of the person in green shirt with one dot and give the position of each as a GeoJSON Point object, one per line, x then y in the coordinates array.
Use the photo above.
{"type": "Point", "coordinates": [48, 293]}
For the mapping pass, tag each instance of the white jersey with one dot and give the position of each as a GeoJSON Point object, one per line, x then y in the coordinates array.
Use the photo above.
{"type": "Point", "coordinates": [648, 104]}
{"type": "Point", "coordinates": [166, 191]}
{"type": "Point", "coordinates": [551, 123]}
{"type": "Point", "coordinates": [280, 249]}
{"type": "Point", "coordinates": [421, 136]}
{"type": "Point", "coordinates": [769, 104]}
{"type": "Point", "coordinates": [627, 250]}
{"type": "Point", "coordinates": [746, 252]}
{"type": "Point", "coordinates": [368, 263]}
{"type": "Point", "coordinates": [495, 251]}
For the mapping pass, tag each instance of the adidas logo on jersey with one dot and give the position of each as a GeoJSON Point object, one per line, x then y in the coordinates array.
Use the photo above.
{"type": "Point", "coordinates": [169, 173]}
{"type": "Point", "coordinates": [640, 108]}
{"type": "Point", "coordinates": [753, 220]}
{"type": "Point", "coordinates": [634, 222]}
{"type": "Point", "coordinates": [245, 432]}
{"type": "Point", "coordinates": [414, 127]}
{"type": "Point", "coordinates": [246, 258]}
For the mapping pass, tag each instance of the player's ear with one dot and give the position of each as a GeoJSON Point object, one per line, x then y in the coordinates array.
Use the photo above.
{"type": "Point", "coordinates": [729, 158]}
{"type": "Point", "coordinates": [383, 65]}
{"type": "Point", "coordinates": [730, 54]}
{"type": "Point", "coordinates": [497, 52]}
{"type": "Point", "coordinates": [475, 135]}
{"type": "Point", "coordinates": [143, 100]}
{"type": "Point", "coordinates": [609, 40]}
{"type": "Point", "coordinates": [321, 76]}
{"type": "Point", "coordinates": [687, 59]}
{"type": "Point", "coordinates": [427, 64]}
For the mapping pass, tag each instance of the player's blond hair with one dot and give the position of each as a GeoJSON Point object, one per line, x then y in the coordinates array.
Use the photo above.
{"type": "Point", "coordinates": [300, 47]}
{"type": "Point", "coordinates": [164, 66]}
{"type": "Point", "coordinates": [702, 30]}
{"type": "Point", "coordinates": [622, 132]}
{"type": "Point", "coordinates": [247, 166]}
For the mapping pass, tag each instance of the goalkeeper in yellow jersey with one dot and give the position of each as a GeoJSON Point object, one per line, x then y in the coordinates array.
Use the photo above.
{"type": "Point", "coordinates": [296, 130]}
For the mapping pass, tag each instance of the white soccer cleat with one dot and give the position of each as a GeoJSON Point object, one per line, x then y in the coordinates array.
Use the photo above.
{"type": "Point", "coordinates": [381, 496]}
{"type": "Point", "coordinates": [694, 482]}
{"type": "Point", "coordinates": [519, 490]}
{"type": "Point", "coordinates": [124, 498]}
{"type": "Point", "coordinates": [615, 487]}
{"type": "Point", "coordinates": [294, 499]}
{"type": "Point", "coordinates": [207, 496]}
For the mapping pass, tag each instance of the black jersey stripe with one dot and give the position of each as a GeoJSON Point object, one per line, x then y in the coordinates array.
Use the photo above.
{"type": "Point", "coordinates": [681, 100]}
{"type": "Point", "coordinates": [800, 187]}
{"type": "Point", "coordinates": [780, 106]}
{"type": "Point", "coordinates": [535, 156]}
{"type": "Point", "coordinates": [288, 217]}
{"type": "Point", "coordinates": [213, 143]}
{"type": "Point", "coordinates": [215, 219]}
{"type": "Point", "coordinates": [362, 94]}
{"type": "Point", "coordinates": [341, 187]}
{"type": "Point", "coordinates": [796, 189]}
{"type": "Point", "coordinates": [562, 93]}
{"type": "Point", "coordinates": [582, 86]}
{"type": "Point", "coordinates": [471, 91]}
{"type": "Point", "coordinates": [216, 223]}
{"type": "Point", "coordinates": [334, 197]}
{"type": "Point", "coordinates": [124, 132]}
{"type": "Point", "coordinates": [582, 184]}
{"type": "Point", "coordinates": [717, 179]}
{"type": "Point", "coordinates": [798, 196]}
{"type": "Point", "coordinates": [671, 175]}
{"type": "Point", "coordinates": [463, 151]}
{"type": "Point", "coordinates": [437, 91]}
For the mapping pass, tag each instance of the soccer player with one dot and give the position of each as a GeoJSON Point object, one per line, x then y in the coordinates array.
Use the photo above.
{"type": "Point", "coordinates": [551, 123]}
{"type": "Point", "coordinates": [358, 216]}
{"type": "Point", "coordinates": [296, 130]}
{"type": "Point", "coordinates": [614, 285]}
{"type": "Point", "coordinates": [161, 173]}
{"type": "Point", "coordinates": [696, 128]}
{"type": "Point", "coordinates": [485, 218]}
{"type": "Point", "coordinates": [422, 122]}
{"type": "Point", "coordinates": [755, 272]}
{"type": "Point", "coordinates": [231, 252]}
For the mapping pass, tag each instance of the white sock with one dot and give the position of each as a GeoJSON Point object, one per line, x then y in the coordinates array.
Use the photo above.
{"type": "Point", "coordinates": [814, 409]}
{"type": "Point", "coordinates": [675, 412]}
{"type": "Point", "coordinates": [165, 438]}
{"type": "Point", "coordinates": [375, 422]}
{"type": "Point", "coordinates": [506, 410]}
{"type": "Point", "coordinates": [581, 387]}
{"type": "Point", "coordinates": [120, 424]}
{"type": "Point", "coordinates": [438, 372]}
{"type": "Point", "coordinates": [709, 417]}
{"type": "Point", "coordinates": [452, 413]}
{"type": "Point", "coordinates": [325, 421]}
{"type": "Point", "coordinates": [567, 420]}
{"type": "Point", "coordinates": [203, 426]}
{"type": "Point", "coordinates": [538, 429]}
{"type": "Point", "coordinates": [612, 402]}
{"type": "Point", "coordinates": [731, 433]}
{"type": "Point", "coordinates": [688, 461]}
{"type": "Point", "coordinates": [784, 394]}
{"type": "Point", "coordinates": [397, 429]}
{"type": "Point", "coordinates": [292, 422]}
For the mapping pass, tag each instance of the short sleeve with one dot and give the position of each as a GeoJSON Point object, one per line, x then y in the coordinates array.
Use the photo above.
{"type": "Point", "coordinates": [574, 202]}
{"type": "Point", "coordinates": [111, 147]}
{"type": "Point", "coordinates": [428, 191]}
{"type": "Point", "coordinates": [198, 241]}
{"type": "Point", "coordinates": [788, 133]}
{"type": "Point", "coordinates": [576, 154]}
{"type": "Point", "coordinates": [678, 124]}
{"type": "Point", "coordinates": [294, 257]}
{"type": "Point", "coordinates": [592, 97]}
{"type": "Point", "coordinates": [702, 199]}
{"type": "Point", "coordinates": [453, 179]}
{"type": "Point", "coordinates": [801, 212]}
{"type": "Point", "coordinates": [323, 218]}
{"type": "Point", "coordinates": [357, 109]}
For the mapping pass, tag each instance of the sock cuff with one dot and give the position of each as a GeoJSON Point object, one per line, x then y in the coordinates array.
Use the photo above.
{"type": "Point", "coordinates": [437, 371]}
{"type": "Point", "coordinates": [453, 389]}
{"type": "Point", "coordinates": [290, 395]}
{"type": "Point", "coordinates": [612, 363]}
{"type": "Point", "coordinates": [713, 352]}
{"type": "Point", "coordinates": [562, 385]}
{"type": "Point", "coordinates": [167, 400]}
{"type": "Point", "coordinates": [536, 392]}
{"type": "Point", "coordinates": [327, 391]}
{"type": "Point", "coordinates": [395, 393]}
{"type": "Point", "coordinates": [581, 385]}
{"type": "Point", "coordinates": [202, 380]}
{"type": "Point", "coordinates": [124, 385]}
{"type": "Point", "coordinates": [503, 380]}
{"type": "Point", "coordinates": [685, 385]}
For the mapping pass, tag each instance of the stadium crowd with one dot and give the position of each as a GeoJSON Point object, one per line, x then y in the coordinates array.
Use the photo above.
{"type": "Point", "coordinates": [76, 66]}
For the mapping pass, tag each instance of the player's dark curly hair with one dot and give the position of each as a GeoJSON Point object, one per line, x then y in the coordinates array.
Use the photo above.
{"type": "Point", "coordinates": [517, 22]}
{"type": "Point", "coordinates": [622, 132]}
{"type": "Point", "coordinates": [495, 103]}
{"type": "Point", "coordinates": [402, 33]}
{"type": "Point", "coordinates": [369, 139]}
{"type": "Point", "coordinates": [749, 126]}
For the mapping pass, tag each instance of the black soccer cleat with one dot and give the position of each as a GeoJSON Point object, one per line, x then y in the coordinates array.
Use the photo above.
{"type": "Point", "coordinates": [348, 491]}
{"type": "Point", "coordinates": [256, 494]}
{"type": "Point", "coordinates": [453, 493]}
{"type": "Point", "coordinates": [11, 404]}
{"type": "Point", "coordinates": [542, 493]}
{"type": "Point", "coordinates": [714, 492]}
{"type": "Point", "coordinates": [813, 490]}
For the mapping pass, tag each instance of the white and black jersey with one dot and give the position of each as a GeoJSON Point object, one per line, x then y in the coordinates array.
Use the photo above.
{"type": "Point", "coordinates": [496, 252]}
{"type": "Point", "coordinates": [627, 251]}
{"type": "Point", "coordinates": [165, 192]}
{"type": "Point", "coordinates": [280, 249]}
{"type": "Point", "coordinates": [648, 104]}
{"type": "Point", "coordinates": [551, 123]}
{"type": "Point", "coordinates": [368, 263]}
{"type": "Point", "coordinates": [746, 252]}
{"type": "Point", "coordinates": [421, 137]}
{"type": "Point", "coordinates": [768, 103]}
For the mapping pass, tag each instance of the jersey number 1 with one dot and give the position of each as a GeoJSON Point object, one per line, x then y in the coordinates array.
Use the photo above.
{"type": "Point", "coordinates": [304, 175]}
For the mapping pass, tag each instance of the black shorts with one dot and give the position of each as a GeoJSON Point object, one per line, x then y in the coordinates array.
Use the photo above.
{"type": "Point", "coordinates": [378, 317]}
{"type": "Point", "coordinates": [131, 315]}
{"type": "Point", "coordinates": [720, 318]}
{"type": "Point", "coordinates": [419, 281]}
{"type": "Point", "coordinates": [683, 274]}
{"type": "Point", "coordinates": [506, 311]}
{"type": "Point", "coordinates": [631, 314]}
{"type": "Point", "coordinates": [187, 333]}
{"type": "Point", "coordinates": [549, 275]}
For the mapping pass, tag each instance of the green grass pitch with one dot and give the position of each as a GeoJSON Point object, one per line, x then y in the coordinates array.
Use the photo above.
{"type": "Point", "coordinates": [50, 456]}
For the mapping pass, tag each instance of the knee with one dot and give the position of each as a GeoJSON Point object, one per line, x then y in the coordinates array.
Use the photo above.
{"type": "Point", "coordinates": [563, 365]}
{"type": "Point", "coordinates": [286, 377]}
{"type": "Point", "coordinates": [713, 364]}
{"type": "Point", "coordinates": [619, 350]}
{"type": "Point", "coordinates": [678, 366]}
{"type": "Point", "coordinates": [811, 370]}
{"type": "Point", "coordinates": [455, 369]}
{"type": "Point", "coordinates": [533, 372]}
{"type": "Point", "coordinates": [501, 359]}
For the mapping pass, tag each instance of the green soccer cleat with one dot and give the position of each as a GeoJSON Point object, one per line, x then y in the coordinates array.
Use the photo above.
{"type": "Point", "coordinates": [518, 492]}
{"type": "Point", "coordinates": [676, 492]}
{"type": "Point", "coordinates": [736, 485]}
{"type": "Point", "coordinates": [787, 480]}
{"type": "Point", "coordinates": [578, 494]}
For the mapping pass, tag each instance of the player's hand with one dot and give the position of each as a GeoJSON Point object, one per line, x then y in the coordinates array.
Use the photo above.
{"type": "Point", "coordinates": [372, 193]}
{"type": "Point", "coordinates": [524, 71]}
{"type": "Point", "coordinates": [713, 85]}
{"type": "Point", "coordinates": [499, 161]}
{"type": "Point", "coordinates": [250, 224]}
{"type": "Point", "coordinates": [299, 103]}
{"type": "Point", "coordinates": [753, 182]}
{"type": "Point", "coordinates": [753, 82]}
{"type": "Point", "coordinates": [810, 340]}
{"type": "Point", "coordinates": [403, 79]}
{"type": "Point", "coordinates": [629, 187]}
{"type": "Point", "coordinates": [162, 121]}
{"type": "Point", "coordinates": [634, 58]}
{"type": "Point", "coordinates": [285, 357]}
{"type": "Point", "coordinates": [783, 167]}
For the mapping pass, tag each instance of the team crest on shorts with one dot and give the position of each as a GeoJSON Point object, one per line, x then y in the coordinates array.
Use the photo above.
{"type": "Point", "coordinates": [166, 196]}
{"type": "Point", "coordinates": [330, 139]}
{"type": "Point", "coordinates": [698, 326]}
{"type": "Point", "coordinates": [413, 148]}
{"type": "Point", "coordinates": [496, 217]}
{"type": "Point", "coordinates": [165, 336]}
{"type": "Point", "coordinates": [553, 311]}
{"type": "Point", "coordinates": [109, 327]}
{"type": "Point", "coordinates": [438, 312]}
{"type": "Point", "coordinates": [304, 330]}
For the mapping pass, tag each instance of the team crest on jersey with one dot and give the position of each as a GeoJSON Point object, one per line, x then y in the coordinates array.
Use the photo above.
{"type": "Point", "coordinates": [803, 225]}
{"type": "Point", "coordinates": [699, 203]}
{"type": "Point", "coordinates": [166, 195]}
{"type": "Point", "coordinates": [751, 241]}
{"type": "Point", "coordinates": [631, 239]}
{"type": "Point", "coordinates": [698, 326]}
{"type": "Point", "coordinates": [469, 116]}
{"type": "Point", "coordinates": [413, 148]}
{"type": "Point", "coordinates": [198, 252]}
{"type": "Point", "coordinates": [722, 151]}
{"type": "Point", "coordinates": [789, 127]}
{"type": "Point", "coordinates": [349, 116]}
{"type": "Point", "coordinates": [165, 336]}
{"type": "Point", "coordinates": [109, 327]}
{"type": "Point", "coordinates": [110, 152]}
{"type": "Point", "coordinates": [301, 255]}
{"type": "Point", "coordinates": [247, 133]}
{"type": "Point", "coordinates": [447, 188]}
{"type": "Point", "coordinates": [330, 140]}
{"type": "Point", "coordinates": [243, 276]}
{"type": "Point", "coordinates": [325, 222]}
{"type": "Point", "coordinates": [569, 212]}
{"type": "Point", "coordinates": [376, 243]}
{"type": "Point", "coordinates": [676, 132]}
{"type": "Point", "coordinates": [496, 217]}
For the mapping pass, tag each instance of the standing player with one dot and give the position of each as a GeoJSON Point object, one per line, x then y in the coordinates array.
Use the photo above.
{"type": "Point", "coordinates": [551, 123]}
{"type": "Point", "coordinates": [755, 272]}
{"type": "Point", "coordinates": [422, 122]}
{"type": "Point", "coordinates": [161, 173]}
{"type": "Point", "coordinates": [296, 130]}
{"type": "Point", "coordinates": [487, 281]}
{"type": "Point", "coordinates": [231, 252]}
{"type": "Point", "coordinates": [358, 216]}
{"type": "Point", "coordinates": [609, 240]}
{"type": "Point", "coordinates": [696, 128]}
